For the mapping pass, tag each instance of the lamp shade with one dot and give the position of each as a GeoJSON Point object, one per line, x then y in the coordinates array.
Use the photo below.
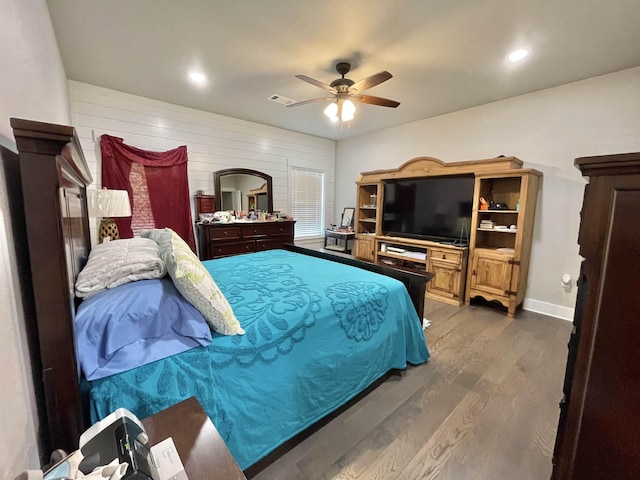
{"type": "Point", "coordinates": [108, 203]}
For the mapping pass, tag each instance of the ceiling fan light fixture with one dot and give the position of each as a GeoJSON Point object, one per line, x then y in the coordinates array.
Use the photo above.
{"type": "Point", "coordinates": [332, 111]}
{"type": "Point", "coordinates": [343, 90]}
{"type": "Point", "coordinates": [348, 110]}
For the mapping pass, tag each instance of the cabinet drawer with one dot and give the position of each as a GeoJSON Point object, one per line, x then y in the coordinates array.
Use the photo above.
{"type": "Point", "coordinates": [223, 250]}
{"type": "Point", "coordinates": [257, 230]}
{"type": "Point", "coordinates": [224, 233]}
{"type": "Point", "coordinates": [449, 256]}
{"type": "Point", "coordinates": [271, 244]}
{"type": "Point", "coordinates": [281, 229]}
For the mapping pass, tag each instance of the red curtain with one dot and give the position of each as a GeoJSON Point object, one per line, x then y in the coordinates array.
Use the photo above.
{"type": "Point", "coordinates": [157, 185]}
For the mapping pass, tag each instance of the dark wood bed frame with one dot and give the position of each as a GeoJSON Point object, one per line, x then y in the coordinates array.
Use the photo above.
{"type": "Point", "coordinates": [54, 177]}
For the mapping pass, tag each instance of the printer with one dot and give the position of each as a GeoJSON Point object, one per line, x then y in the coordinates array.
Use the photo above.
{"type": "Point", "coordinates": [120, 436]}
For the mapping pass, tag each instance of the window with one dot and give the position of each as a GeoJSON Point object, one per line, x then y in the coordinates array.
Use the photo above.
{"type": "Point", "coordinates": [307, 201]}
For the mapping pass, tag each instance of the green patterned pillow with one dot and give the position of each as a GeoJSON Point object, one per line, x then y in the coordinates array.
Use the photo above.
{"type": "Point", "coordinates": [194, 282]}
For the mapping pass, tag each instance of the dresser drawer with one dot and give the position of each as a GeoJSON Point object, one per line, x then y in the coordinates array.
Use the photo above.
{"type": "Point", "coordinates": [281, 228]}
{"type": "Point", "coordinates": [255, 231]}
{"type": "Point", "coordinates": [225, 249]}
{"type": "Point", "coordinates": [224, 233]}
{"type": "Point", "coordinates": [449, 256]}
{"type": "Point", "coordinates": [271, 244]}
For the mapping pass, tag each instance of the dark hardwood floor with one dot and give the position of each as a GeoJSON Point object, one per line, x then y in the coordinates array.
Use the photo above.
{"type": "Point", "coordinates": [484, 407]}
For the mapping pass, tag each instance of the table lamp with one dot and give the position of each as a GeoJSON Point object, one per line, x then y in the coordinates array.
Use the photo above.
{"type": "Point", "coordinates": [108, 204]}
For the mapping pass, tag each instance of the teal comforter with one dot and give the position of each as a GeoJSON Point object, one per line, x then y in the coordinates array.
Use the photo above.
{"type": "Point", "coordinates": [317, 333]}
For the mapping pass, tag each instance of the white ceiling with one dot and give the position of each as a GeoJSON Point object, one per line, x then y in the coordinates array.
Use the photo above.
{"type": "Point", "coordinates": [444, 55]}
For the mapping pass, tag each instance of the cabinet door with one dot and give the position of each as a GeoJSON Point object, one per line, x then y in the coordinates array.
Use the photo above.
{"type": "Point", "coordinates": [363, 249]}
{"type": "Point", "coordinates": [491, 272]}
{"type": "Point", "coordinates": [446, 280]}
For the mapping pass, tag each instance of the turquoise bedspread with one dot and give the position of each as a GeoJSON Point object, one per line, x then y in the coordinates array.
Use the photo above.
{"type": "Point", "coordinates": [317, 333]}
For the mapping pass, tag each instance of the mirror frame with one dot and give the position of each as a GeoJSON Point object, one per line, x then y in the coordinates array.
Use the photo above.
{"type": "Point", "coordinates": [217, 175]}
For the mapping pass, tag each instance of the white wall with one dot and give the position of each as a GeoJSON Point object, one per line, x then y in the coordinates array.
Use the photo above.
{"type": "Point", "coordinates": [33, 86]}
{"type": "Point", "coordinates": [547, 130]}
{"type": "Point", "coordinates": [214, 142]}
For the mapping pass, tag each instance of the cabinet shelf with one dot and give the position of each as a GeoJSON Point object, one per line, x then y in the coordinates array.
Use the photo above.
{"type": "Point", "coordinates": [404, 268]}
{"type": "Point", "coordinates": [505, 250]}
{"type": "Point", "coordinates": [497, 211]}
{"type": "Point", "coordinates": [495, 272]}
{"type": "Point", "coordinates": [501, 230]}
{"type": "Point", "coordinates": [447, 263]}
{"type": "Point", "coordinates": [400, 256]}
{"type": "Point", "coordinates": [366, 220]}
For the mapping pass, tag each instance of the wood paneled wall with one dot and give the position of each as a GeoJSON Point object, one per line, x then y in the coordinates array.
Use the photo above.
{"type": "Point", "coordinates": [213, 141]}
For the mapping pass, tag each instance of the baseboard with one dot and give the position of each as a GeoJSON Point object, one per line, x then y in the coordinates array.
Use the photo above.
{"type": "Point", "coordinates": [565, 313]}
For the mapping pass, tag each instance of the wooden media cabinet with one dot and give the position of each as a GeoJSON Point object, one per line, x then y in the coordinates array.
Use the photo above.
{"type": "Point", "coordinates": [494, 264]}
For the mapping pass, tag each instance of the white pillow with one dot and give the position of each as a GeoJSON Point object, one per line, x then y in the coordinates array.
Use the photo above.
{"type": "Point", "coordinates": [194, 282]}
{"type": "Point", "coordinates": [117, 262]}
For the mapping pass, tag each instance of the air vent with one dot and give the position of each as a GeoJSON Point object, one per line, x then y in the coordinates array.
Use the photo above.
{"type": "Point", "coordinates": [280, 99]}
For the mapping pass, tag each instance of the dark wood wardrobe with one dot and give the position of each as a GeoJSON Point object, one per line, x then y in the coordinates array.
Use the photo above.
{"type": "Point", "coordinates": [599, 426]}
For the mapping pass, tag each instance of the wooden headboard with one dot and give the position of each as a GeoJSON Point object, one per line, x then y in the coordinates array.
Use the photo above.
{"type": "Point", "coordinates": [54, 177]}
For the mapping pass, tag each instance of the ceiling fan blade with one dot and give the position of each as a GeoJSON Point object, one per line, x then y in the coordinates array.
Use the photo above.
{"type": "Point", "coordinates": [371, 81]}
{"type": "Point", "coordinates": [382, 102]}
{"type": "Point", "coordinates": [317, 83]}
{"type": "Point", "coordinates": [305, 102]}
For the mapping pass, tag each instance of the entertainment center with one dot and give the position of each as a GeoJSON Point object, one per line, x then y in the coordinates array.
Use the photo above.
{"type": "Point", "coordinates": [470, 223]}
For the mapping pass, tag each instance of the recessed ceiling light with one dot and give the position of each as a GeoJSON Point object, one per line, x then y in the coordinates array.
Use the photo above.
{"type": "Point", "coordinates": [518, 55]}
{"type": "Point", "coordinates": [198, 78]}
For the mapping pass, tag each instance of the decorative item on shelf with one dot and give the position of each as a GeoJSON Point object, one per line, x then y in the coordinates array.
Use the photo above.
{"type": "Point", "coordinates": [108, 204]}
{"type": "Point", "coordinates": [484, 205]}
{"type": "Point", "coordinates": [498, 206]}
{"type": "Point", "coordinates": [487, 224]}
{"type": "Point", "coordinates": [222, 216]}
{"type": "Point", "coordinates": [206, 218]}
{"type": "Point", "coordinates": [374, 200]}
{"type": "Point", "coordinates": [347, 218]}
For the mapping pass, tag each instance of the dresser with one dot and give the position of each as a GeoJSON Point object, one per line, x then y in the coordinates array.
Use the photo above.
{"type": "Point", "coordinates": [217, 240]}
{"type": "Point", "coordinates": [599, 427]}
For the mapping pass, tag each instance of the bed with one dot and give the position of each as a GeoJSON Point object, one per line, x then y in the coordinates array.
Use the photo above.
{"type": "Point", "coordinates": [316, 332]}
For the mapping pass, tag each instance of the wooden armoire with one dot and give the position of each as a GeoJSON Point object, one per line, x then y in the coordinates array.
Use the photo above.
{"type": "Point", "coordinates": [599, 427]}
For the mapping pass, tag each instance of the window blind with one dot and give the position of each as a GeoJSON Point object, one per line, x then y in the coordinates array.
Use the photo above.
{"type": "Point", "coordinates": [307, 202]}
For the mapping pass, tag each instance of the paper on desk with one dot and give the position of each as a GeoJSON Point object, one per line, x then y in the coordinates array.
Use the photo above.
{"type": "Point", "coordinates": [168, 461]}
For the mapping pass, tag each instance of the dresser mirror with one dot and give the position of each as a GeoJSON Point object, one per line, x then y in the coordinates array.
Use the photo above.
{"type": "Point", "coordinates": [242, 189]}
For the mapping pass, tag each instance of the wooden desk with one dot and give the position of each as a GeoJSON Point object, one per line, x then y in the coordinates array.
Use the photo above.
{"type": "Point", "coordinates": [202, 451]}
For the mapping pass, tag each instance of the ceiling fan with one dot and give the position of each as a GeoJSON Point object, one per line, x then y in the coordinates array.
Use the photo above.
{"type": "Point", "coordinates": [344, 90]}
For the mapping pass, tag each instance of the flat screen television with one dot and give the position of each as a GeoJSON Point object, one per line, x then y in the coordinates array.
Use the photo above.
{"type": "Point", "coordinates": [430, 208]}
